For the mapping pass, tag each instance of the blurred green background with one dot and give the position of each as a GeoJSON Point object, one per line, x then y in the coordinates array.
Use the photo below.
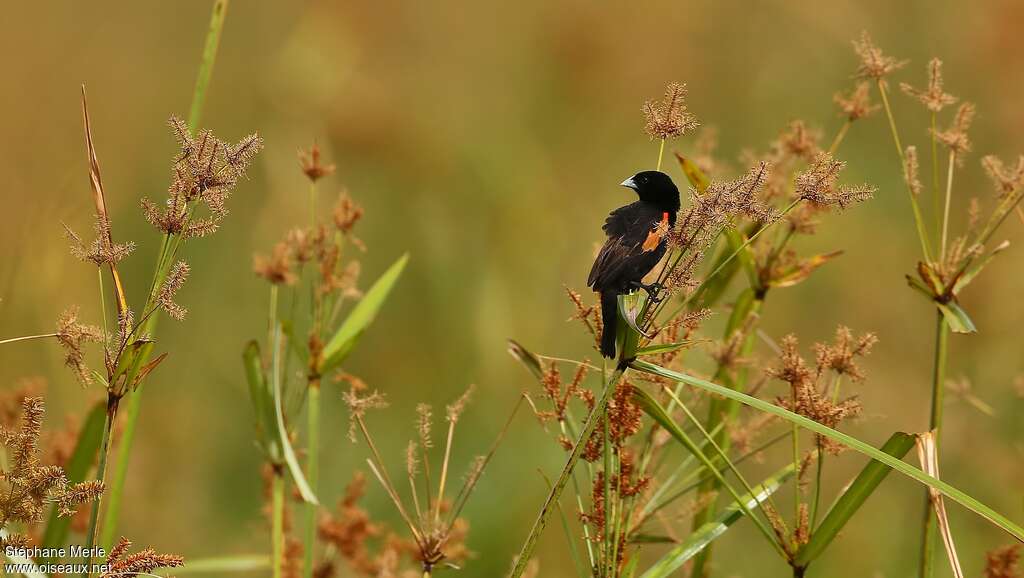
{"type": "Point", "coordinates": [487, 139]}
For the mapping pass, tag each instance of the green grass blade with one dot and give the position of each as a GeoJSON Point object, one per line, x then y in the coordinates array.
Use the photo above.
{"type": "Point", "coordinates": [737, 242]}
{"type": "Point", "coordinates": [282, 431]}
{"type": "Point", "coordinates": [867, 449]}
{"type": "Point", "coordinates": [653, 409]}
{"type": "Point", "coordinates": [664, 347]}
{"type": "Point", "coordinates": [714, 529]}
{"type": "Point", "coordinates": [338, 348]}
{"type": "Point", "coordinates": [220, 9]}
{"type": "Point", "coordinates": [570, 463]}
{"type": "Point", "coordinates": [82, 459]}
{"type": "Point", "coordinates": [573, 550]}
{"type": "Point", "coordinates": [241, 563]}
{"type": "Point", "coordinates": [852, 499]}
{"type": "Point", "coordinates": [959, 321]}
{"type": "Point", "coordinates": [262, 401]}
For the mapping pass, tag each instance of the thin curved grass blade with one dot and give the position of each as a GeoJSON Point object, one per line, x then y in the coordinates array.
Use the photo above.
{"type": "Point", "coordinates": [282, 431]}
{"type": "Point", "coordinates": [853, 443]}
{"type": "Point", "coordinates": [664, 347]}
{"type": "Point", "coordinates": [240, 563]}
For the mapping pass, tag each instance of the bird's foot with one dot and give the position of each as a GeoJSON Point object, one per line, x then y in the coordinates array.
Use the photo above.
{"type": "Point", "coordinates": [654, 291]}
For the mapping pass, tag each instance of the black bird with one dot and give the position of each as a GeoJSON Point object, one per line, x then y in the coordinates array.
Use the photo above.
{"type": "Point", "coordinates": [636, 242]}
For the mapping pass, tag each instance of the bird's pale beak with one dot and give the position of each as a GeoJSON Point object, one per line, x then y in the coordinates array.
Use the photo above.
{"type": "Point", "coordinates": [629, 183]}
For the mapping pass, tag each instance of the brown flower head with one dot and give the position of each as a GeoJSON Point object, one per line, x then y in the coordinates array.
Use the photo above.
{"type": "Point", "coordinates": [934, 98]}
{"type": "Point", "coordinates": [100, 251]}
{"type": "Point", "coordinates": [799, 141]}
{"type": "Point", "coordinates": [72, 336]}
{"type": "Point", "coordinates": [165, 297]}
{"type": "Point", "coordinates": [346, 213]}
{"type": "Point", "coordinates": [359, 405]}
{"type": "Point", "coordinates": [806, 397]}
{"type": "Point", "coordinates": [669, 118]}
{"type": "Point", "coordinates": [955, 137]}
{"type": "Point", "coordinates": [277, 268]}
{"type": "Point", "coordinates": [30, 487]}
{"type": "Point", "coordinates": [840, 356]}
{"type": "Point", "coordinates": [818, 184]}
{"type": "Point", "coordinates": [874, 63]}
{"type": "Point", "coordinates": [1006, 180]}
{"type": "Point", "coordinates": [120, 564]}
{"type": "Point", "coordinates": [857, 104]}
{"type": "Point", "coordinates": [311, 165]}
{"type": "Point", "coordinates": [911, 170]}
{"type": "Point", "coordinates": [205, 171]}
{"type": "Point", "coordinates": [1002, 562]}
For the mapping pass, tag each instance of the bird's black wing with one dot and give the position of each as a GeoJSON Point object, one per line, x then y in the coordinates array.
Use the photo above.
{"type": "Point", "coordinates": [628, 254]}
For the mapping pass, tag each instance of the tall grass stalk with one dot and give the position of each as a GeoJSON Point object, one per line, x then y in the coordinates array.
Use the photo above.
{"type": "Point", "coordinates": [922, 230]}
{"type": "Point", "coordinates": [312, 435]}
{"type": "Point", "coordinates": [168, 248]}
{"type": "Point", "coordinates": [935, 425]}
{"type": "Point", "coordinates": [942, 326]}
{"type": "Point", "coordinates": [549, 506]}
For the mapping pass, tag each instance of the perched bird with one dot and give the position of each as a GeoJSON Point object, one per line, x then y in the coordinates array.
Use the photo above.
{"type": "Point", "coordinates": [636, 242]}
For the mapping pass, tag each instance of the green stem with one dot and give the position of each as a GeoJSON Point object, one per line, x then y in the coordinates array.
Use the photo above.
{"type": "Point", "coordinates": [103, 303]}
{"type": "Point", "coordinates": [27, 338]}
{"type": "Point", "coordinates": [220, 8]}
{"type": "Point", "coordinates": [922, 232]}
{"type": "Point", "coordinates": [837, 382]}
{"type": "Point", "coordinates": [936, 195]}
{"type": "Point", "coordinates": [312, 472]}
{"type": "Point", "coordinates": [277, 521]}
{"type": "Point", "coordinates": [556, 491]}
{"type": "Point", "coordinates": [101, 469]}
{"type": "Point", "coordinates": [726, 261]}
{"type": "Point", "coordinates": [796, 468]}
{"type": "Point", "coordinates": [949, 195]}
{"type": "Point", "coordinates": [116, 489]}
{"type": "Point", "coordinates": [928, 534]}
{"type": "Point", "coordinates": [607, 455]}
{"type": "Point", "coordinates": [661, 153]}
{"type": "Point", "coordinates": [839, 136]}
{"type": "Point", "coordinates": [163, 265]}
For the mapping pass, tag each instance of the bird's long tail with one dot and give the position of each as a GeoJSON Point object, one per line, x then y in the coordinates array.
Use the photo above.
{"type": "Point", "coordinates": [610, 317]}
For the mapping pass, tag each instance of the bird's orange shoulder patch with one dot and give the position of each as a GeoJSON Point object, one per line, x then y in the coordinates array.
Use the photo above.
{"type": "Point", "coordinates": [656, 234]}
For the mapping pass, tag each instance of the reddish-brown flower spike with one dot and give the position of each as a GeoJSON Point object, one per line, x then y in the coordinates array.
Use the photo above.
{"type": "Point", "coordinates": [311, 165]}
{"type": "Point", "coordinates": [277, 268]}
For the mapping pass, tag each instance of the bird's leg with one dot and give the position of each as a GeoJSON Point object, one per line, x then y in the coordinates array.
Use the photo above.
{"type": "Point", "coordinates": [653, 290]}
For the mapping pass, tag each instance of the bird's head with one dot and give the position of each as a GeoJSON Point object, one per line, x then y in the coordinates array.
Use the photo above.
{"type": "Point", "coordinates": [654, 187]}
